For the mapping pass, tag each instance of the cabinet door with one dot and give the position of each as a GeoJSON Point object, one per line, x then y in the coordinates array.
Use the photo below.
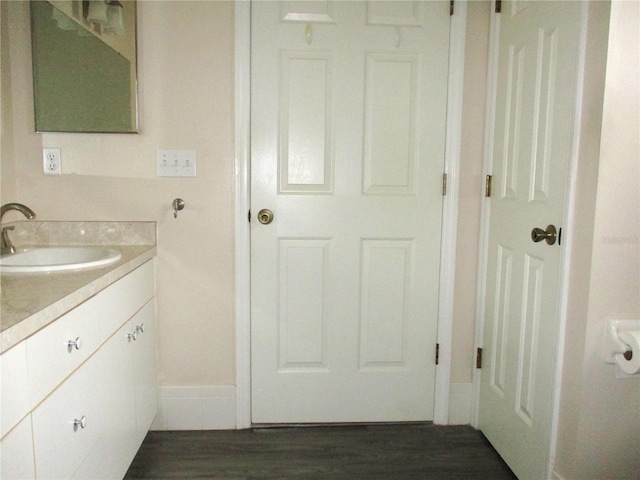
{"type": "Point", "coordinates": [132, 403]}
{"type": "Point", "coordinates": [14, 404]}
{"type": "Point", "coordinates": [144, 362]}
{"type": "Point", "coordinates": [112, 453]}
{"type": "Point", "coordinates": [16, 453]}
{"type": "Point", "coordinates": [60, 445]}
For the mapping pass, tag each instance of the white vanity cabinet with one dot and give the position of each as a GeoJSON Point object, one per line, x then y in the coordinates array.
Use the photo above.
{"type": "Point", "coordinates": [91, 385]}
{"type": "Point", "coordinates": [131, 400]}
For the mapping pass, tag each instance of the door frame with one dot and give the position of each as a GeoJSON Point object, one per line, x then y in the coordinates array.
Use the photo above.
{"type": "Point", "coordinates": [587, 95]}
{"type": "Point", "coordinates": [242, 204]}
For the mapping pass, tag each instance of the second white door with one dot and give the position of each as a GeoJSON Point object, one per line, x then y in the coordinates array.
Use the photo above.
{"type": "Point", "coordinates": [348, 134]}
{"type": "Point", "coordinates": [535, 98]}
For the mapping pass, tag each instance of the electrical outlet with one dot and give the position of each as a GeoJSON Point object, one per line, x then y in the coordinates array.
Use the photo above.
{"type": "Point", "coordinates": [52, 164]}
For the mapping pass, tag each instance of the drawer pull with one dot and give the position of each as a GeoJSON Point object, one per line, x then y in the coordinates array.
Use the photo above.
{"type": "Point", "coordinates": [82, 423]}
{"type": "Point", "coordinates": [71, 344]}
{"type": "Point", "coordinates": [140, 328]}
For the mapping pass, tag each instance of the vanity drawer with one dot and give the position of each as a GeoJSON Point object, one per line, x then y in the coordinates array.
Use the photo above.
{"type": "Point", "coordinates": [51, 356]}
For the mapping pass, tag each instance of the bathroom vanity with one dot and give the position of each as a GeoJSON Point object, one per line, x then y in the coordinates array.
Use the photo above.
{"type": "Point", "coordinates": [79, 384]}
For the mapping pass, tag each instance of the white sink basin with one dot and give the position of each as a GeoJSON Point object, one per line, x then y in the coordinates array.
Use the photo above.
{"type": "Point", "coordinates": [55, 259]}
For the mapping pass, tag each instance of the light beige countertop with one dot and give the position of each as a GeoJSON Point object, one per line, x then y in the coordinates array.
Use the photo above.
{"type": "Point", "coordinates": [29, 302]}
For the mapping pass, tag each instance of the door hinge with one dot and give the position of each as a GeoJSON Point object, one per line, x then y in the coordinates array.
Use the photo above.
{"type": "Point", "coordinates": [249, 216]}
{"type": "Point", "coordinates": [479, 358]}
{"type": "Point", "coordinates": [451, 7]}
{"type": "Point", "coordinates": [444, 184]}
{"type": "Point", "coordinates": [487, 185]}
{"type": "Point", "coordinates": [437, 353]}
{"type": "Point", "coordinates": [498, 6]}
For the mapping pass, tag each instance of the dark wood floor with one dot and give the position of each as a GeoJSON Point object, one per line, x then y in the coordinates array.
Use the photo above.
{"type": "Point", "coordinates": [386, 452]}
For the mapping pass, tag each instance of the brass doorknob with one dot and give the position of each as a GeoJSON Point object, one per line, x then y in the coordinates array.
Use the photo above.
{"type": "Point", "coordinates": [265, 216]}
{"type": "Point", "coordinates": [549, 235]}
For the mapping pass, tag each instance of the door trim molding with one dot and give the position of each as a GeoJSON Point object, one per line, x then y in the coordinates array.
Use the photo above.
{"type": "Point", "coordinates": [242, 200]}
{"type": "Point", "coordinates": [492, 70]}
{"type": "Point", "coordinates": [242, 204]}
{"type": "Point", "coordinates": [453, 136]}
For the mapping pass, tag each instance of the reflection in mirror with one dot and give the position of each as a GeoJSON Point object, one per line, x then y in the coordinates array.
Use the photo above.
{"type": "Point", "coordinates": [84, 66]}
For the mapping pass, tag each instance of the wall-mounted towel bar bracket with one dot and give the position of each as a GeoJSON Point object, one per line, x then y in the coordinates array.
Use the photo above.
{"type": "Point", "coordinates": [178, 204]}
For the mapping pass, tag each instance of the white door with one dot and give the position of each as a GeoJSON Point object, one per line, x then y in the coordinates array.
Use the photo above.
{"type": "Point", "coordinates": [348, 133]}
{"type": "Point", "coordinates": [532, 146]}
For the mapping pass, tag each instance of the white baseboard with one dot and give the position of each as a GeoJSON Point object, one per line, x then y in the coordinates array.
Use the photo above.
{"type": "Point", "coordinates": [460, 395]}
{"type": "Point", "coordinates": [214, 408]}
{"type": "Point", "coordinates": [196, 408]}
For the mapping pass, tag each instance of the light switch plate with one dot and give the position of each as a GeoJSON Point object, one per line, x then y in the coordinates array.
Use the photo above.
{"type": "Point", "coordinates": [176, 163]}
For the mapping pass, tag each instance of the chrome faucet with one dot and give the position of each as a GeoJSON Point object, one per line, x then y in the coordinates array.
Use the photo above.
{"type": "Point", "coordinates": [5, 242]}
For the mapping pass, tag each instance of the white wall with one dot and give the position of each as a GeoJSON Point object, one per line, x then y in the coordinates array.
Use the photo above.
{"type": "Point", "coordinates": [608, 404]}
{"type": "Point", "coordinates": [186, 97]}
{"type": "Point", "coordinates": [599, 428]}
{"type": "Point", "coordinates": [471, 189]}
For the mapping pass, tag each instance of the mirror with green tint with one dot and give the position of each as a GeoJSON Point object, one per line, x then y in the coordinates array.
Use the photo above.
{"type": "Point", "coordinates": [84, 75]}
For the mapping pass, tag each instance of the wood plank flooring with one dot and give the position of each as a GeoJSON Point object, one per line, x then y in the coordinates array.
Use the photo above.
{"type": "Point", "coordinates": [372, 452]}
